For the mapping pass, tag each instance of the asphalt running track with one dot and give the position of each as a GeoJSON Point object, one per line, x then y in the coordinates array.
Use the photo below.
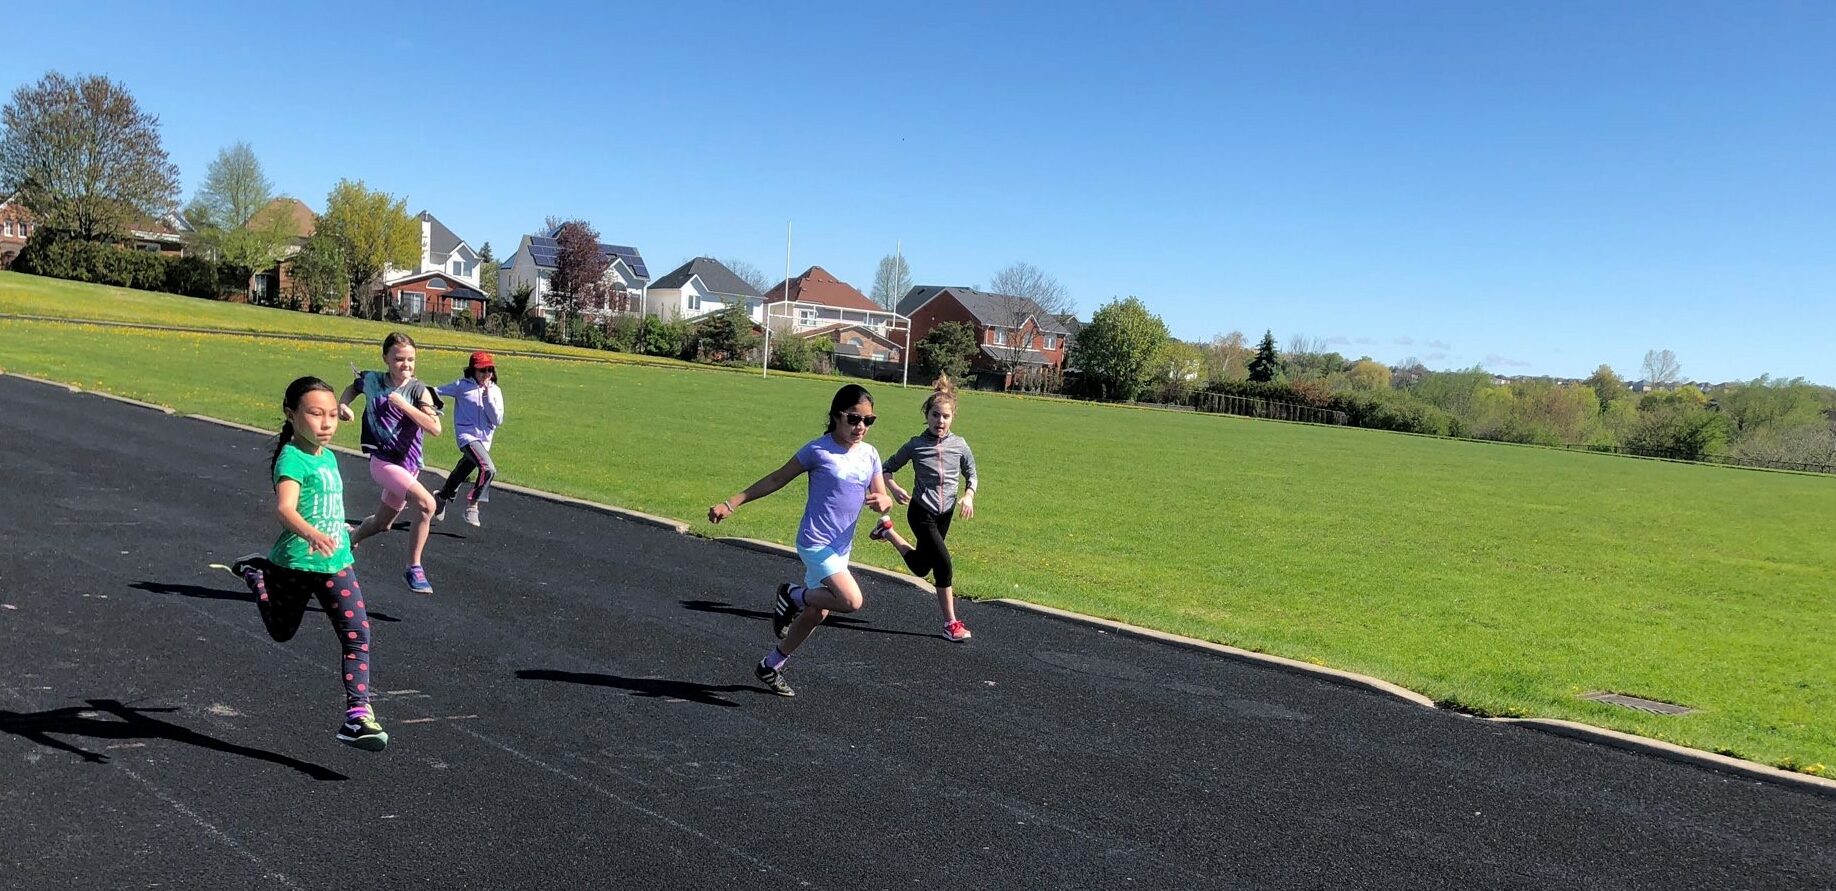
{"type": "Point", "coordinates": [575, 708]}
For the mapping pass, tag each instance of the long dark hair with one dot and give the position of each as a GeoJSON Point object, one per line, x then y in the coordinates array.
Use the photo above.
{"type": "Point", "coordinates": [291, 402]}
{"type": "Point", "coordinates": [845, 398]}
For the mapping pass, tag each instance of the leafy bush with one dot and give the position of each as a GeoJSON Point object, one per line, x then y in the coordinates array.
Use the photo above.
{"type": "Point", "coordinates": [660, 338]}
{"type": "Point", "coordinates": [621, 335]}
{"type": "Point", "coordinates": [192, 277]}
{"type": "Point", "coordinates": [791, 353]}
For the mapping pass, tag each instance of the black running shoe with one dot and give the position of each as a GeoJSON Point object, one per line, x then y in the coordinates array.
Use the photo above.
{"type": "Point", "coordinates": [363, 733]}
{"type": "Point", "coordinates": [773, 680]}
{"type": "Point", "coordinates": [783, 611]}
{"type": "Point", "coordinates": [250, 571]}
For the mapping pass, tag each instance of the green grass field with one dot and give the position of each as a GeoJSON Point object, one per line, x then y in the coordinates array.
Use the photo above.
{"type": "Point", "coordinates": [1500, 579]}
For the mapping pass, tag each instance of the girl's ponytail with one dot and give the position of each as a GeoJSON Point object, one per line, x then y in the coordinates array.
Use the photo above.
{"type": "Point", "coordinates": [286, 436]}
{"type": "Point", "coordinates": [942, 392]}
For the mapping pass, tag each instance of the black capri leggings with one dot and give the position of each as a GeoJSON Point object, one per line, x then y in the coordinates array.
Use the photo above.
{"type": "Point", "coordinates": [929, 554]}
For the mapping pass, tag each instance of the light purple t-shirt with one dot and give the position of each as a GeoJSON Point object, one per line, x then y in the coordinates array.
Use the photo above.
{"type": "Point", "coordinates": [839, 481]}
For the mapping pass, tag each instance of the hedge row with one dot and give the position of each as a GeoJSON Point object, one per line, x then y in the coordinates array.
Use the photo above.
{"type": "Point", "coordinates": [58, 256]}
{"type": "Point", "coordinates": [1378, 410]}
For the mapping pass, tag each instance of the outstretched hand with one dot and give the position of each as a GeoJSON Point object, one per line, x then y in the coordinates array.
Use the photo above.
{"type": "Point", "coordinates": [719, 512]}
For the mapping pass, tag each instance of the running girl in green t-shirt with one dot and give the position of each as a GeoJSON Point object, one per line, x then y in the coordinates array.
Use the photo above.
{"type": "Point", "coordinates": [312, 557]}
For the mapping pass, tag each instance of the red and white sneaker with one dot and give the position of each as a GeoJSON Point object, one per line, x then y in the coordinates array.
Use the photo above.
{"type": "Point", "coordinates": [881, 529]}
{"type": "Point", "coordinates": [956, 631]}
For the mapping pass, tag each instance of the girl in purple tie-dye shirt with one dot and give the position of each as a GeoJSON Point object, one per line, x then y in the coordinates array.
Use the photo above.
{"type": "Point", "coordinates": [397, 411]}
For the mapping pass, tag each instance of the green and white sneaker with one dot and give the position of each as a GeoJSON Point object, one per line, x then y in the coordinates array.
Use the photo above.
{"type": "Point", "coordinates": [365, 733]}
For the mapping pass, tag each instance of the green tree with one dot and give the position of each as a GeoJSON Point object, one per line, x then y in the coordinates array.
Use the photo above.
{"type": "Point", "coordinates": [316, 277]}
{"type": "Point", "coordinates": [1369, 375]}
{"type": "Point", "coordinates": [487, 273]}
{"type": "Point", "coordinates": [726, 336]}
{"type": "Point", "coordinates": [1227, 358]}
{"type": "Point", "coordinates": [792, 353]}
{"type": "Point", "coordinates": [374, 229]}
{"type": "Point", "coordinates": [1607, 386]}
{"type": "Point", "coordinates": [1266, 366]}
{"type": "Point", "coordinates": [946, 349]}
{"type": "Point", "coordinates": [83, 157]}
{"type": "Point", "coordinates": [1179, 370]}
{"type": "Point", "coordinates": [227, 211]}
{"type": "Point", "coordinates": [1115, 352]}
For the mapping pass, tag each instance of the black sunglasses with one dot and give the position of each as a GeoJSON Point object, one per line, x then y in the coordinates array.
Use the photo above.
{"type": "Point", "coordinates": [866, 420]}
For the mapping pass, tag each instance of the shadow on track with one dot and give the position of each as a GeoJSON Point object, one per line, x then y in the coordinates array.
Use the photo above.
{"type": "Point", "coordinates": [402, 526]}
{"type": "Point", "coordinates": [134, 723]}
{"type": "Point", "coordinates": [203, 593]}
{"type": "Point", "coordinates": [655, 688]}
{"type": "Point", "coordinates": [844, 623]}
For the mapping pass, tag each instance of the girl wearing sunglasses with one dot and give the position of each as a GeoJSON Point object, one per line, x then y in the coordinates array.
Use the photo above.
{"type": "Point", "coordinates": [844, 475]}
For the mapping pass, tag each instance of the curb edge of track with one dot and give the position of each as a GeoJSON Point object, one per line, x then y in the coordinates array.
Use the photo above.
{"type": "Point", "coordinates": [1571, 729]}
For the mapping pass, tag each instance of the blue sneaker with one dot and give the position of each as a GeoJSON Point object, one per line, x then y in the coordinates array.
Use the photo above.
{"type": "Point", "coordinates": [417, 580]}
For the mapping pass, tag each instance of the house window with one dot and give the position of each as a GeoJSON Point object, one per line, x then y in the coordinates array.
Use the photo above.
{"type": "Point", "coordinates": [806, 317]}
{"type": "Point", "coordinates": [8, 228]}
{"type": "Point", "coordinates": [694, 303]}
{"type": "Point", "coordinates": [1050, 342]}
{"type": "Point", "coordinates": [411, 302]}
{"type": "Point", "coordinates": [438, 284]}
{"type": "Point", "coordinates": [1000, 336]}
{"type": "Point", "coordinates": [458, 267]}
{"type": "Point", "coordinates": [882, 356]}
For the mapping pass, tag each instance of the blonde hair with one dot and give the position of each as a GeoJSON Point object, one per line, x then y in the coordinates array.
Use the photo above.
{"type": "Point", "coordinates": [942, 390]}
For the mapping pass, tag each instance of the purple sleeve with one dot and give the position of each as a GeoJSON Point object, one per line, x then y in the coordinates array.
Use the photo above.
{"type": "Point", "coordinates": [806, 456]}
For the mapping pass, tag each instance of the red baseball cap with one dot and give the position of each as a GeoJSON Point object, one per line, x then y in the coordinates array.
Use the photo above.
{"type": "Point", "coordinates": [482, 359]}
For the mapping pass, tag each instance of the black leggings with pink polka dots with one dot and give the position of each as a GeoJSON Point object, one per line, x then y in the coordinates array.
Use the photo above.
{"type": "Point", "coordinates": [288, 590]}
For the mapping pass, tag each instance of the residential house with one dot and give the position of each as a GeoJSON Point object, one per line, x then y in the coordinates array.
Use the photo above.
{"type": "Point", "coordinates": [1012, 333]}
{"type": "Point", "coordinates": [168, 234]}
{"type": "Point", "coordinates": [699, 287]}
{"type": "Point", "coordinates": [442, 282]}
{"type": "Point", "coordinates": [15, 228]}
{"type": "Point", "coordinates": [817, 304]}
{"type": "Point", "coordinates": [626, 276]}
{"type": "Point", "coordinates": [293, 217]}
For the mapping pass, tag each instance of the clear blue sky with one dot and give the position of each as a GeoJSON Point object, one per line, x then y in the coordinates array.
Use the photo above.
{"type": "Point", "coordinates": [1537, 187]}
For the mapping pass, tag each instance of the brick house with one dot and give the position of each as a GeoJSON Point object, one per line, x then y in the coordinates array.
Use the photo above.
{"type": "Point", "coordinates": [1012, 333]}
{"type": "Point", "coordinates": [817, 304]}
{"type": "Point", "coordinates": [168, 234]}
{"type": "Point", "coordinates": [15, 227]}
{"type": "Point", "coordinates": [443, 281]}
{"type": "Point", "coordinates": [268, 286]}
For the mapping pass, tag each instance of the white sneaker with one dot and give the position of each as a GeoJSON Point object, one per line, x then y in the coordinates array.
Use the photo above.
{"type": "Point", "coordinates": [471, 516]}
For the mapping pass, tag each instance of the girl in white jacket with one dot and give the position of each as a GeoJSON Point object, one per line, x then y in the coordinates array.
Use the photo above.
{"type": "Point", "coordinates": [478, 410]}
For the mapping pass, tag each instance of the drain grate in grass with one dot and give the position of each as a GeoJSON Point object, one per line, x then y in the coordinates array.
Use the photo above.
{"type": "Point", "coordinates": [1644, 705]}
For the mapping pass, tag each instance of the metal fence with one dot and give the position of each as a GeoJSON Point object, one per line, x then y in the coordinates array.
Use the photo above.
{"type": "Point", "coordinates": [1250, 407]}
